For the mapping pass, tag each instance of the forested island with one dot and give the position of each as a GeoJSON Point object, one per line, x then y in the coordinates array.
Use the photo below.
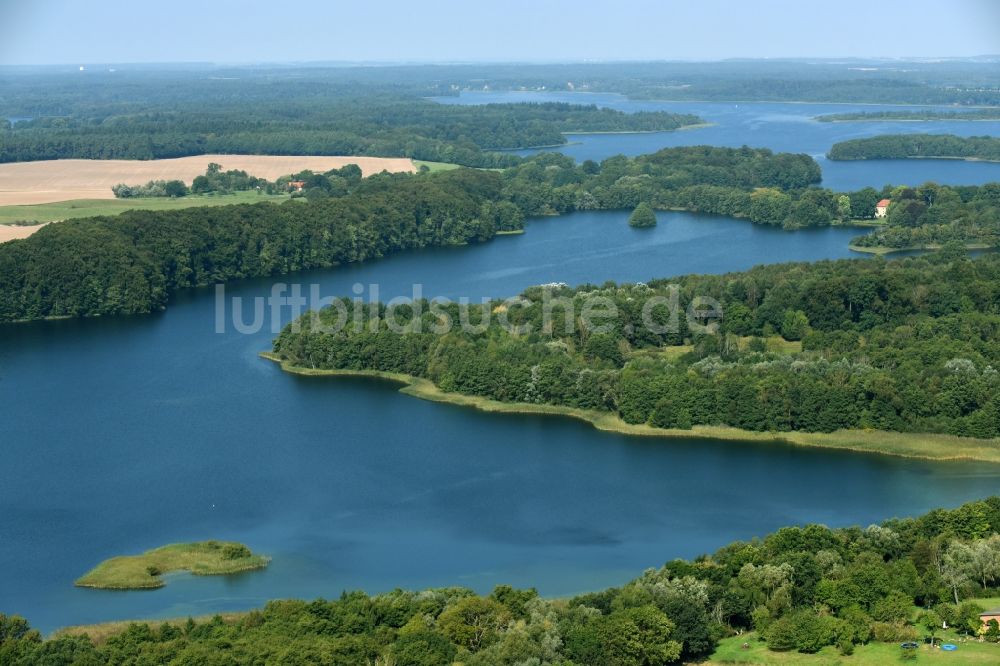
{"type": "Point", "coordinates": [808, 589]}
{"type": "Point", "coordinates": [910, 116]}
{"type": "Point", "coordinates": [907, 346]}
{"type": "Point", "coordinates": [130, 263]}
{"type": "Point", "coordinates": [928, 146]}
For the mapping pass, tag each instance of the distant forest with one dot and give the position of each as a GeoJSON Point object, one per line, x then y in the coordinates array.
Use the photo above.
{"type": "Point", "coordinates": [902, 146]}
{"type": "Point", "coordinates": [386, 127]}
{"type": "Point", "coordinates": [147, 113]}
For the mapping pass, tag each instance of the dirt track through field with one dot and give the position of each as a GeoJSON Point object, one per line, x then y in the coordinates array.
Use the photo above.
{"type": "Point", "coordinates": [61, 180]}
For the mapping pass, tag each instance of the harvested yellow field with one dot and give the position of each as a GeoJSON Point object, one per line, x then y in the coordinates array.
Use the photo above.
{"type": "Point", "coordinates": [61, 180]}
{"type": "Point", "coordinates": [10, 232]}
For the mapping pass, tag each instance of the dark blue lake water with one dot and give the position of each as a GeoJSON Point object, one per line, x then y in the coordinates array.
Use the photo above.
{"type": "Point", "coordinates": [784, 127]}
{"type": "Point", "coordinates": [124, 434]}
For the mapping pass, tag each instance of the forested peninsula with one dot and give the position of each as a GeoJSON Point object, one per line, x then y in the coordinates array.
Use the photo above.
{"type": "Point", "coordinates": [130, 263]}
{"type": "Point", "coordinates": [809, 589]}
{"type": "Point", "coordinates": [911, 116]}
{"type": "Point", "coordinates": [927, 146]}
{"type": "Point", "coordinates": [906, 346]}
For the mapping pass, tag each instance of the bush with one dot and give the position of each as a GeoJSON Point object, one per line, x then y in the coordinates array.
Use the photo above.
{"type": "Point", "coordinates": [780, 634]}
{"type": "Point", "coordinates": [894, 608]}
{"type": "Point", "coordinates": [892, 632]}
{"type": "Point", "coordinates": [642, 217]}
{"type": "Point", "coordinates": [235, 551]}
{"type": "Point", "coordinates": [175, 188]}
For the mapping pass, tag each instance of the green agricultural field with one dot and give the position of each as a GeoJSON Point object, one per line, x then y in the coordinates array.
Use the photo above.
{"type": "Point", "coordinates": [436, 166]}
{"type": "Point", "coordinates": [64, 210]}
{"type": "Point", "coordinates": [731, 651]}
{"type": "Point", "coordinates": [203, 558]}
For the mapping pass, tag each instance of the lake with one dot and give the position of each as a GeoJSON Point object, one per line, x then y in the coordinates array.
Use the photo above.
{"type": "Point", "coordinates": [123, 434]}
{"type": "Point", "coordinates": [782, 127]}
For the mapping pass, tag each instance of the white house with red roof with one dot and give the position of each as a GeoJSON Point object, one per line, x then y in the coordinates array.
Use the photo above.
{"type": "Point", "coordinates": [881, 208]}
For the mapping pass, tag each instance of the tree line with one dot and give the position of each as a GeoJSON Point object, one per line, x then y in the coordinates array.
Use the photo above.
{"type": "Point", "coordinates": [335, 182]}
{"type": "Point", "coordinates": [800, 588]}
{"type": "Point", "coordinates": [907, 345]}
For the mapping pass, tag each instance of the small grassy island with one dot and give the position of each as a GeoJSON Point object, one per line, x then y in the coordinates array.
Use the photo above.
{"type": "Point", "coordinates": [143, 572]}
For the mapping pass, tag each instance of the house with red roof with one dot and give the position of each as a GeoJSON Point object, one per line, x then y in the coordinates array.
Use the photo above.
{"type": "Point", "coordinates": [881, 208]}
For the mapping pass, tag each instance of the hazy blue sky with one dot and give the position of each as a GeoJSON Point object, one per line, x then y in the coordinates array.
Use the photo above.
{"type": "Point", "coordinates": [101, 31]}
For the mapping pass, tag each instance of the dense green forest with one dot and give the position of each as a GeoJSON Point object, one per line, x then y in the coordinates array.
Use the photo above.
{"type": "Point", "coordinates": [745, 182]}
{"type": "Point", "coordinates": [924, 114]}
{"type": "Point", "coordinates": [800, 588]}
{"type": "Point", "coordinates": [902, 146]}
{"type": "Point", "coordinates": [907, 345]}
{"type": "Point", "coordinates": [130, 263]}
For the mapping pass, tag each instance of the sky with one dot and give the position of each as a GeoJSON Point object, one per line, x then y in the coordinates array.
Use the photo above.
{"type": "Point", "coordinates": [249, 31]}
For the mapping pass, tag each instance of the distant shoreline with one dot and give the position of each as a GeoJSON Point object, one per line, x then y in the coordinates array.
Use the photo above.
{"type": "Point", "coordinates": [885, 249]}
{"type": "Point", "coordinates": [908, 120]}
{"type": "Point", "coordinates": [916, 157]}
{"type": "Point", "coordinates": [929, 446]}
{"type": "Point", "coordinates": [720, 101]}
{"type": "Point", "coordinates": [676, 129]}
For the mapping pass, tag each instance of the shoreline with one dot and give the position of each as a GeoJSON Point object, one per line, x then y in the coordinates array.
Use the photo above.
{"type": "Point", "coordinates": [881, 250]}
{"type": "Point", "coordinates": [907, 120]}
{"type": "Point", "coordinates": [916, 157]}
{"type": "Point", "coordinates": [146, 571]}
{"type": "Point", "coordinates": [723, 101]}
{"type": "Point", "coordinates": [658, 131]}
{"type": "Point", "coordinates": [904, 445]}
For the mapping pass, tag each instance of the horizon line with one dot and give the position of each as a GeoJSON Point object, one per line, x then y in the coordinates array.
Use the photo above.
{"type": "Point", "coordinates": [805, 59]}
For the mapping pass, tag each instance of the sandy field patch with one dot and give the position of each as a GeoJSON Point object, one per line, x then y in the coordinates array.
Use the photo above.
{"type": "Point", "coordinates": [13, 232]}
{"type": "Point", "coordinates": [49, 181]}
